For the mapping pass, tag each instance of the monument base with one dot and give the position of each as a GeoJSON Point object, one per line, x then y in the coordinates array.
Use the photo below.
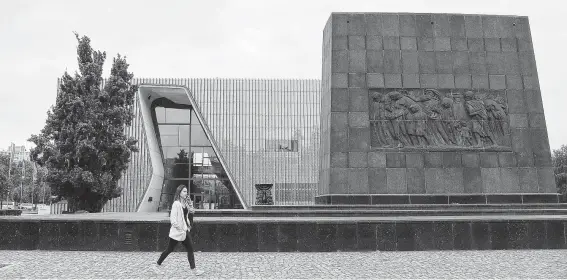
{"type": "Point", "coordinates": [380, 199]}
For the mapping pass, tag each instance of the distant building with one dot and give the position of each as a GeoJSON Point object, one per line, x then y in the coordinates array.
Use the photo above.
{"type": "Point", "coordinates": [18, 153]}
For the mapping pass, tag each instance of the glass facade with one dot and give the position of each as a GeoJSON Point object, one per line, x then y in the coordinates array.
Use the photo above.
{"type": "Point", "coordinates": [267, 132]}
{"type": "Point", "coordinates": [189, 159]}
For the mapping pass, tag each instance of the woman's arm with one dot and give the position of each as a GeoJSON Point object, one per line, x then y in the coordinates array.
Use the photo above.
{"type": "Point", "coordinates": [174, 216]}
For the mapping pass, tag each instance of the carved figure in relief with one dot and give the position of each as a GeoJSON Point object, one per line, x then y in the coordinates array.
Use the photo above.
{"type": "Point", "coordinates": [448, 118]}
{"type": "Point", "coordinates": [496, 115]}
{"type": "Point", "coordinates": [381, 129]}
{"type": "Point", "coordinates": [397, 115]}
{"type": "Point", "coordinates": [477, 111]}
{"type": "Point", "coordinates": [417, 127]}
{"type": "Point", "coordinates": [463, 134]}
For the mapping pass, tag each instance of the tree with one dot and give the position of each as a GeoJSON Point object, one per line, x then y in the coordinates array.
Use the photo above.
{"type": "Point", "coordinates": [83, 144]}
{"type": "Point", "coordinates": [4, 184]}
{"type": "Point", "coordinates": [560, 169]}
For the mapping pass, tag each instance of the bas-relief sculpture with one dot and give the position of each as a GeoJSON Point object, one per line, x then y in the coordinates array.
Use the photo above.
{"type": "Point", "coordinates": [439, 119]}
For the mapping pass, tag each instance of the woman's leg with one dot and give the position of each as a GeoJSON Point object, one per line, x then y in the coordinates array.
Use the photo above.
{"type": "Point", "coordinates": [168, 250]}
{"type": "Point", "coordinates": [188, 243]}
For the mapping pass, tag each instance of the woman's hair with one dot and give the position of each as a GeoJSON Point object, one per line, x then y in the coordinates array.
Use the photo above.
{"type": "Point", "coordinates": [178, 192]}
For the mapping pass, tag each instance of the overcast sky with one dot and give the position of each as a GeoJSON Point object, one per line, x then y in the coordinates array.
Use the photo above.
{"type": "Point", "coordinates": [229, 39]}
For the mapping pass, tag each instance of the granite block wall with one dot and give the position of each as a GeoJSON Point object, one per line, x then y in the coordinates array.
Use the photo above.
{"type": "Point", "coordinates": [478, 64]}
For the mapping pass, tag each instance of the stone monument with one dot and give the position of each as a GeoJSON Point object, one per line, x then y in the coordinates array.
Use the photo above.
{"type": "Point", "coordinates": [431, 109]}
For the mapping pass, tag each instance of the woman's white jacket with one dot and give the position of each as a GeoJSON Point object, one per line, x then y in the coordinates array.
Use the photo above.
{"type": "Point", "coordinates": [179, 227]}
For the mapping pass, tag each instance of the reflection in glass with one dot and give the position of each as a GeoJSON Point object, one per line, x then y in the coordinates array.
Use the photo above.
{"type": "Point", "coordinates": [173, 115]}
{"type": "Point", "coordinates": [184, 136]}
{"type": "Point", "coordinates": [168, 129]}
{"type": "Point", "coordinates": [160, 114]}
{"type": "Point", "coordinates": [198, 137]}
{"type": "Point", "coordinates": [169, 140]}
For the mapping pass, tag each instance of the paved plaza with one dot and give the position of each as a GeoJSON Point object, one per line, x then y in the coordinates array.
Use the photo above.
{"type": "Point", "coordinates": [542, 264]}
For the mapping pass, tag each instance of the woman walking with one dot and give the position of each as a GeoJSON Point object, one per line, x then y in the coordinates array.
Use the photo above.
{"type": "Point", "coordinates": [180, 227]}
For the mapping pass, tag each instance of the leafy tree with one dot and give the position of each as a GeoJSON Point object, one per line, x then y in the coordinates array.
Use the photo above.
{"type": "Point", "coordinates": [83, 144]}
{"type": "Point", "coordinates": [560, 170]}
{"type": "Point", "coordinates": [4, 184]}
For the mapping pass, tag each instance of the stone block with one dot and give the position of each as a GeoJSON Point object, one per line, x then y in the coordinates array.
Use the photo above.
{"type": "Point", "coordinates": [506, 27]}
{"type": "Point", "coordinates": [472, 179]}
{"type": "Point", "coordinates": [410, 62]}
{"type": "Point", "coordinates": [446, 81]}
{"type": "Point", "coordinates": [339, 24]}
{"type": "Point", "coordinates": [507, 159]}
{"type": "Point", "coordinates": [492, 45]}
{"type": "Point", "coordinates": [424, 26]}
{"type": "Point", "coordinates": [527, 64]}
{"type": "Point", "coordinates": [414, 160]}
{"type": "Point", "coordinates": [339, 159]}
{"type": "Point", "coordinates": [356, 42]}
{"type": "Point", "coordinates": [514, 82]}
{"type": "Point", "coordinates": [339, 140]}
{"type": "Point", "coordinates": [339, 100]}
{"type": "Point", "coordinates": [359, 139]}
{"type": "Point", "coordinates": [339, 80]}
{"type": "Point", "coordinates": [537, 120]}
{"type": "Point", "coordinates": [490, 26]}
{"type": "Point", "coordinates": [357, 159]}
{"type": "Point", "coordinates": [533, 98]}
{"type": "Point", "coordinates": [477, 63]}
{"type": "Point", "coordinates": [525, 45]}
{"type": "Point", "coordinates": [392, 61]}
{"type": "Point", "coordinates": [528, 179]}
{"type": "Point", "coordinates": [459, 44]}
{"type": "Point", "coordinates": [375, 80]}
{"type": "Point", "coordinates": [391, 43]}
{"type": "Point", "coordinates": [408, 43]}
{"type": "Point", "coordinates": [511, 63]}
{"type": "Point", "coordinates": [488, 159]}
{"type": "Point", "coordinates": [377, 180]}
{"type": "Point", "coordinates": [357, 61]}
{"type": "Point", "coordinates": [441, 25]}
{"type": "Point", "coordinates": [470, 160]}
{"type": "Point", "coordinates": [373, 24]}
{"type": "Point", "coordinates": [516, 102]}
{"type": "Point", "coordinates": [339, 120]}
{"type": "Point", "coordinates": [415, 180]}
{"type": "Point", "coordinates": [462, 236]}
{"type": "Point", "coordinates": [473, 26]}
{"type": "Point", "coordinates": [407, 25]}
{"type": "Point", "coordinates": [426, 44]}
{"type": "Point", "coordinates": [374, 42]}
{"type": "Point", "coordinates": [339, 63]}
{"type": "Point", "coordinates": [395, 160]}
{"type": "Point", "coordinates": [457, 25]}
{"type": "Point", "coordinates": [426, 62]}
{"type": "Point", "coordinates": [356, 80]}
{"type": "Point", "coordinates": [497, 81]}
{"type": "Point", "coordinates": [546, 180]}
{"type": "Point", "coordinates": [540, 146]}
{"type": "Point", "coordinates": [248, 240]}
{"type": "Point", "coordinates": [396, 180]}
{"type": "Point", "coordinates": [475, 44]}
{"type": "Point", "coordinates": [518, 120]}
{"type": "Point", "coordinates": [339, 175]}
{"type": "Point", "coordinates": [340, 43]}
{"type": "Point", "coordinates": [358, 100]}
{"type": "Point", "coordinates": [451, 159]}
{"type": "Point", "coordinates": [510, 180]}
{"type": "Point", "coordinates": [428, 80]}
{"type": "Point", "coordinates": [491, 180]}
{"type": "Point", "coordinates": [522, 29]}
{"type": "Point", "coordinates": [375, 61]}
{"type": "Point", "coordinates": [433, 159]}
{"type": "Point", "coordinates": [444, 62]}
{"type": "Point", "coordinates": [390, 25]}
{"type": "Point", "coordinates": [358, 180]}
{"type": "Point", "coordinates": [444, 180]}
{"type": "Point", "coordinates": [366, 237]}
{"type": "Point", "coordinates": [358, 119]}
{"type": "Point", "coordinates": [461, 63]}
{"type": "Point", "coordinates": [267, 237]}
{"type": "Point", "coordinates": [531, 82]}
{"type": "Point", "coordinates": [522, 146]}
{"type": "Point", "coordinates": [495, 63]}
{"type": "Point", "coordinates": [480, 81]}
{"type": "Point", "coordinates": [410, 80]}
{"type": "Point", "coordinates": [393, 80]}
{"type": "Point", "coordinates": [356, 24]}
{"type": "Point", "coordinates": [480, 236]}
{"type": "Point", "coordinates": [287, 237]}
{"type": "Point", "coordinates": [376, 159]}
{"type": "Point", "coordinates": [509, 45]}
{"type": "Point", "coordinates": [442, 44]}
{"type": "Point", "coordinates": [463, 81]}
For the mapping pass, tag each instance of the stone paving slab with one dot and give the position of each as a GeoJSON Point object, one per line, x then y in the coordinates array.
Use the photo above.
{"type": "Point", "coordinates": [525, 264]}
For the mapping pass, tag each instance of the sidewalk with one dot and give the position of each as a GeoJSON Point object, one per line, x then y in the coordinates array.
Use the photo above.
{"type": "Point", "coordinates": [342, 265]}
